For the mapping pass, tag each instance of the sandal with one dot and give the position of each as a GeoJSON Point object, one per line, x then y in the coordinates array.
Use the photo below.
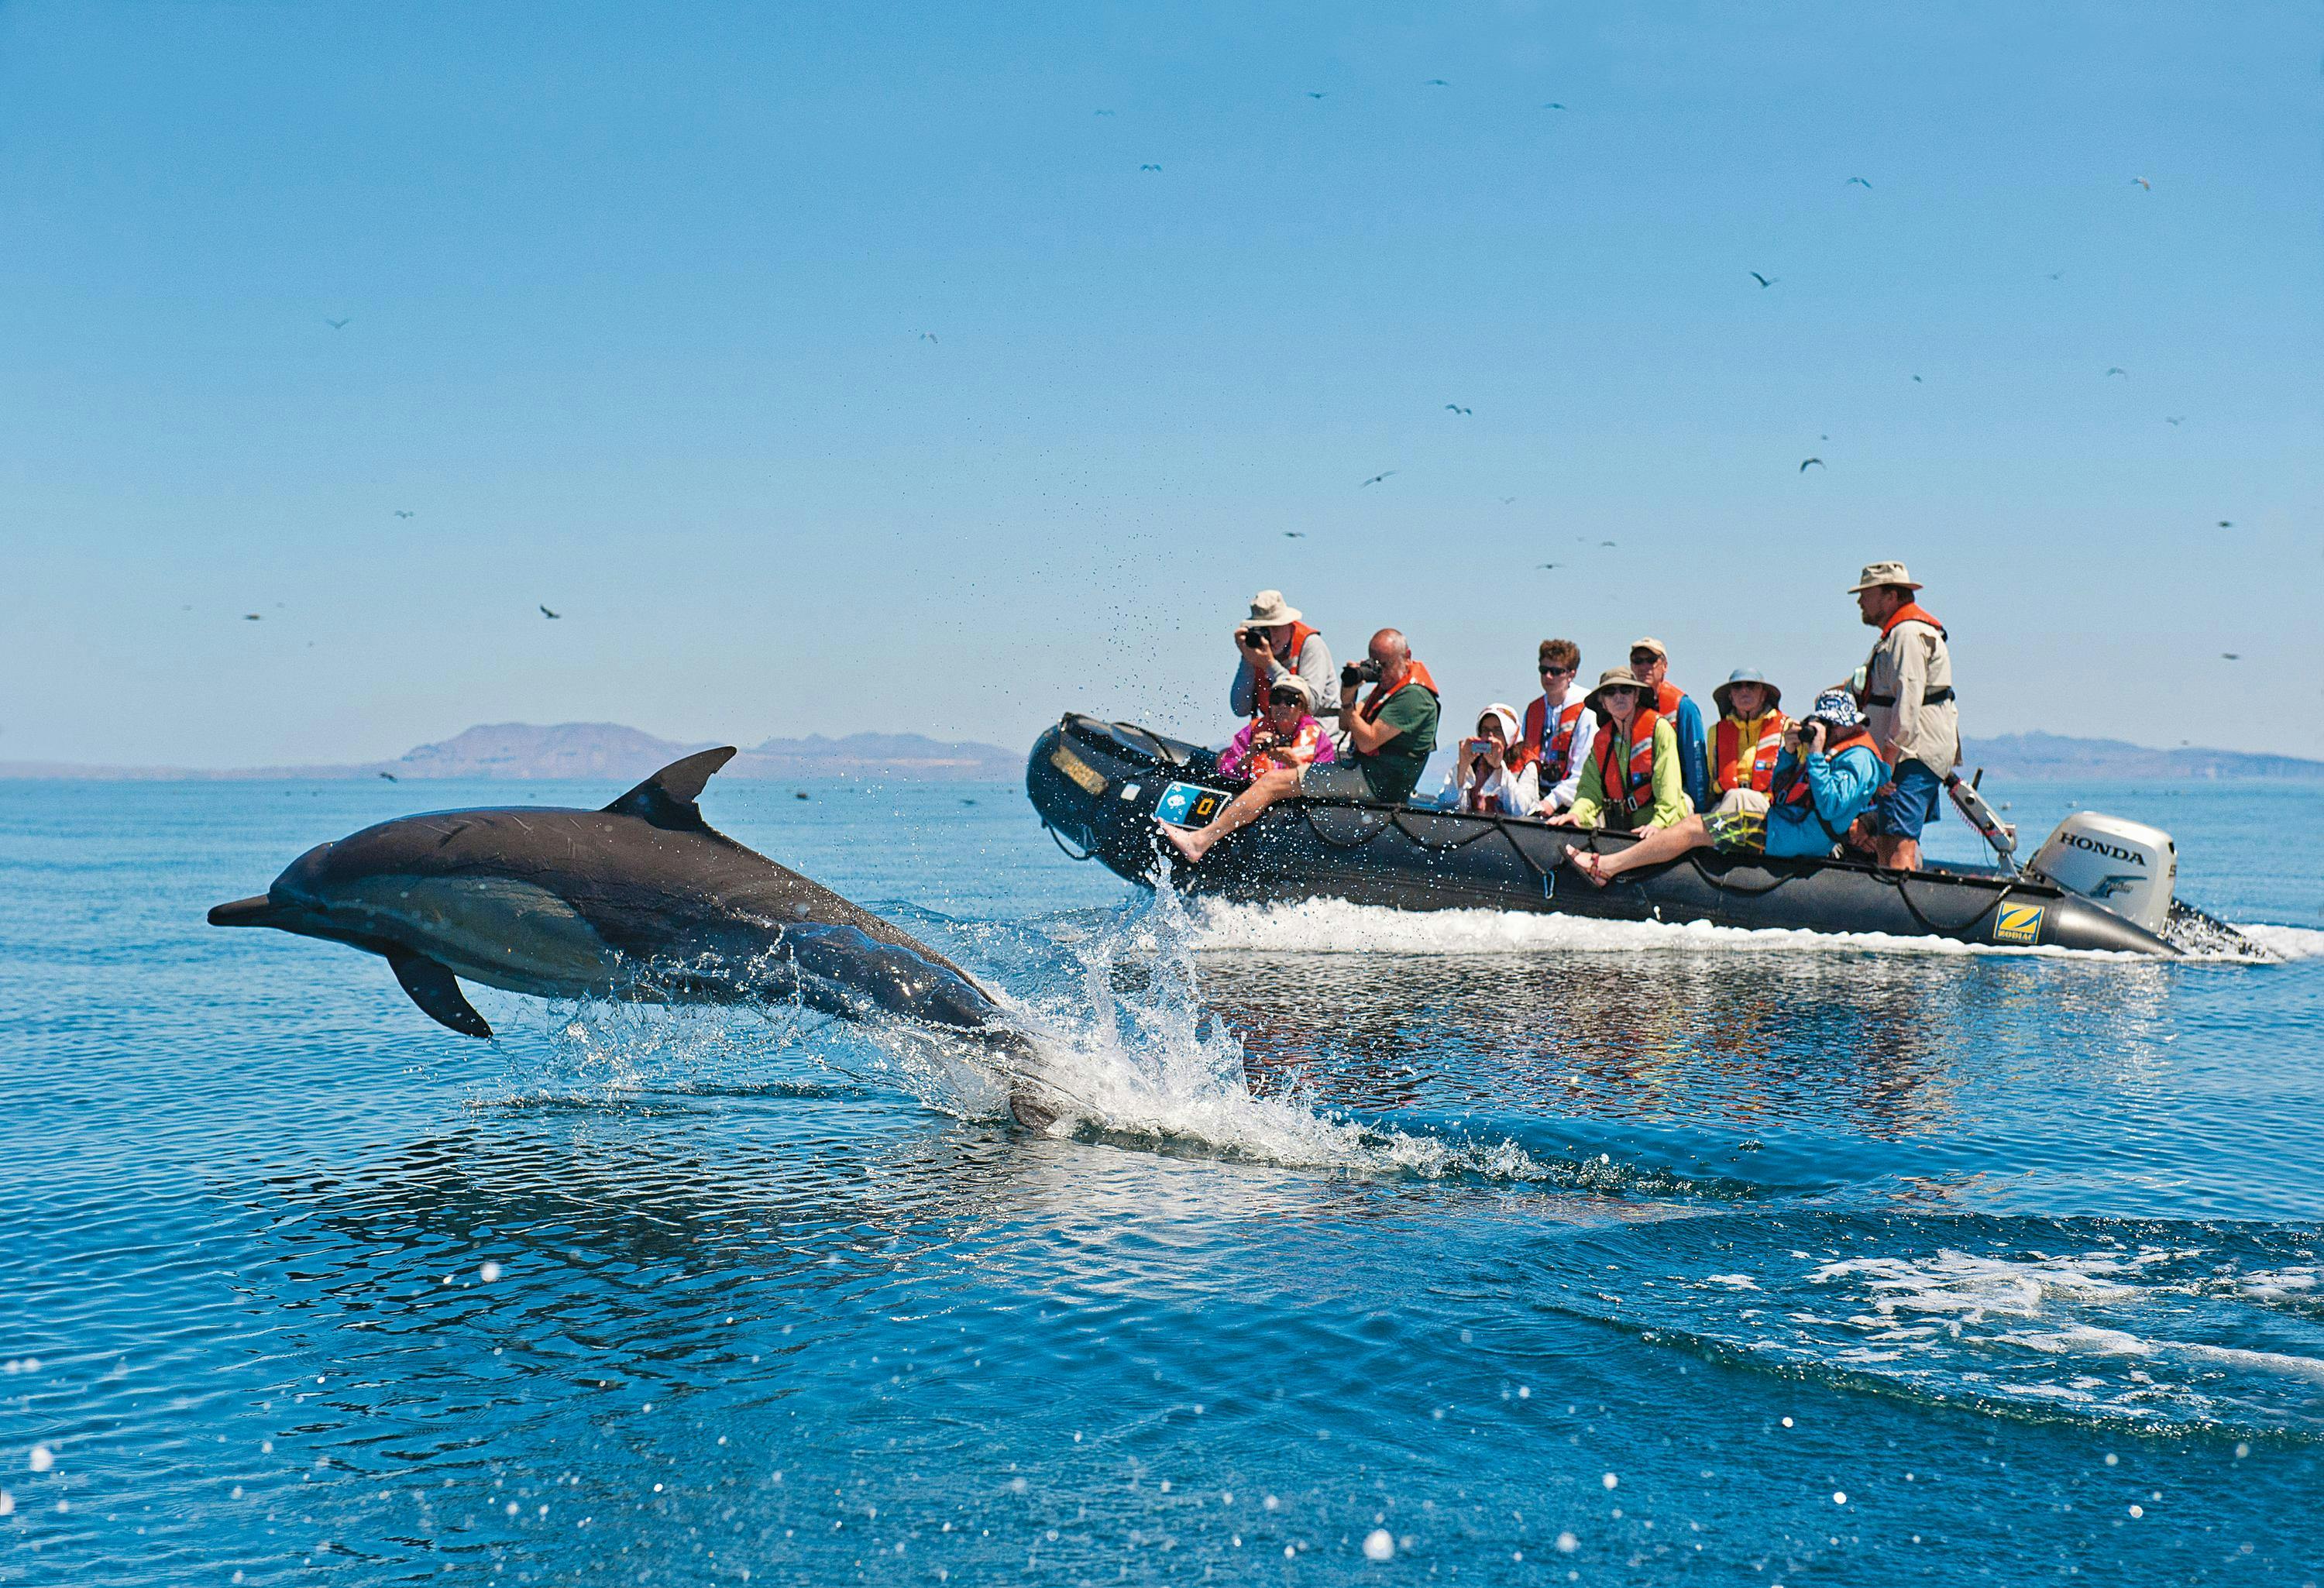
{"type": "Point", "coordinates": [1587, 862]}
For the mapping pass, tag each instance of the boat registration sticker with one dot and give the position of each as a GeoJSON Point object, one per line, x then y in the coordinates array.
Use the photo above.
{"type": "Point", "coordinates": [1091, 780]}
{"type": "Point", "coordinates": [1183, 804]}
{"type": "Point", "coordinates": [2018, 923]}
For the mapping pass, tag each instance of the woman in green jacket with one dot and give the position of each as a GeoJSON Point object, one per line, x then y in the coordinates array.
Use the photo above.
{"type": "Point", "coordinates": [1632, 781]}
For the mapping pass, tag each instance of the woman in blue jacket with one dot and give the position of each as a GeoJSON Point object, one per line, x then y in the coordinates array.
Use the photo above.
{"type": "Point", "coordinates": [1825, 779]}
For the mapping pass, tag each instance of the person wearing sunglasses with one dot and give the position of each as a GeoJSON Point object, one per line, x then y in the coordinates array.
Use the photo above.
{"type": "Point", "coordinates": [1650, 663]}
{"type": "Point", "coordinates": [1558, 728]}
{"type": "Point", "coordinates": [1286, 735]}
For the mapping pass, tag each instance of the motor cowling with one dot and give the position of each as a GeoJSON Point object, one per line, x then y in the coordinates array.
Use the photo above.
{"type": "Point", "coordinates": [2127, 866]}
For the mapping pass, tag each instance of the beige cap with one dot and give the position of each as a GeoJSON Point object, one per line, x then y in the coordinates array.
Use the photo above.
{"type": "Point", "coordinates": [1268, 607]}
{"type": "Point", "coordinates": [1292, 682]}
{"type": "Point", "coordinates": [1614, 677]}
{"type": "Point", "coordinates": [1653, 644]}
{"type": "Point", "coordinates": [1876, 574]}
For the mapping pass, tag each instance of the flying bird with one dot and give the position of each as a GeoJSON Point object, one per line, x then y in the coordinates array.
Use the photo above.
{"type": "Point", "coordinates": [2118, 370]}
{"type": "Point", "coordinates": [1857, 181]}
{"type": "Point", "coordinates": [1507, 500]}
{"type": "Point", "coordinates": [1377, 478]}
{"type": "Point", "coordinates": [546, 612]}
{"type": "Point", "coordinates": [1918, 378]}
{"type": "Point", "coordinates": [799, 793]}
{"type": "Point", "coordinates": [1605, 542]}
{"type": "Point", "coordinates": [1312, 94]}
{"type": "Point", "coordinates": [1295, 534]}
{"type": "Point", "coordinates": [1149, 167]}
{"type": "Point", "coordinates": [2057, 276]}
{"type": "Point", "coordinates": [1436, 83]}
{"type": "Point", "coordinates": [403, 513]}
{"type": "Point", "coordinates": [1454, 408]}
{"type": "Point", "coordinates": [250, 617]}
{"type": "Point", "coordinates": [2225, 525]}
{"type": "Point", "coordinates": [2143, 182]}
{"type": "Point", "coordinates": [2230, 656]}
{"type": "Point", "coordinates": [1104, 113]}
{"type": "Point", "coordinates": [1549, 565]}
{"type": "Point", "coordinates": [1552, 104]}
{"type": "Point", "coordinates": [1819, 463]}
{"type": "Point", "coordinates": [391, 776]}
{"type": "Point", "coordinates": [1765, 281]}
{"type": "Point", "coordinates": [338, 325]}
{"type": "Point", "coordinates": [2179, 421]}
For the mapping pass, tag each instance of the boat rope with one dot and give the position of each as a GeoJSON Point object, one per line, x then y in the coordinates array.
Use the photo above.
{"type": "Point", "coordinates": [1906, 893]}
{"type": "Point", "coordinates": [1702, 871]}
{"type": "Point", "coordinates": [1058, 839]}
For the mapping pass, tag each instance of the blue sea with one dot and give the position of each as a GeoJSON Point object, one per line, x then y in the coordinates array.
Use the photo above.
{"type": "Point", "coordinates": [1391, 1249]}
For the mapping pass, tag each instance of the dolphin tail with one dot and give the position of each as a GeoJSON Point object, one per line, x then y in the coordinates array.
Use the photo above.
{"type": "Point", "coordinates": [437, 991]}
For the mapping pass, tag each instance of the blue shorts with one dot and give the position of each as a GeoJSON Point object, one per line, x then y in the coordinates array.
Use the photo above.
{"type": "Point", "coordinates": [1909, 802]}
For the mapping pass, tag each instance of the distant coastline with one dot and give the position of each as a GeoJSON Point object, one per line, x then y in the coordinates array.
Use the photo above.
{"type": "Point", "coordinates": [610, 751]}
{"type": "Point", "coordinates": [596, 752]}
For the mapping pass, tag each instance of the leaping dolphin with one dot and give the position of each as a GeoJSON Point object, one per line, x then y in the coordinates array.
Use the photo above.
{"type": "Point", "coordinates": [641, 900]}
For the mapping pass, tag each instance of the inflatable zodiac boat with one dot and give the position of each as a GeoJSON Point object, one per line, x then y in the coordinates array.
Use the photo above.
{"type": "Point", "coordinates": [2097, 883]}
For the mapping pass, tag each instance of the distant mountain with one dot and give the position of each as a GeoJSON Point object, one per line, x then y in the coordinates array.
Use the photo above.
{"type": "Point", "coordinates": [610, 753]}
{"type": "Point", "coordinates": [2054, 758]}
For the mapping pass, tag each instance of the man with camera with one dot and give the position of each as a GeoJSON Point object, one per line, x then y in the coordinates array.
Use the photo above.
{"type": "Point", "coordinates": [1273, 644]}
{"type": "Point", "coordinates": [1389, 738]}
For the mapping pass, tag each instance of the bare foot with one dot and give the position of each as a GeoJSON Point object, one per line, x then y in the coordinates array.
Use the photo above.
{"type": "Point", "coordinates": [1187, 843]}
{"type": "Point", "coordinates": [1587, 862]}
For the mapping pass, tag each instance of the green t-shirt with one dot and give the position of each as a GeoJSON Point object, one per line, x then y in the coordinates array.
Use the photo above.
{"type": "Point", "coordinates": [1396, 771]}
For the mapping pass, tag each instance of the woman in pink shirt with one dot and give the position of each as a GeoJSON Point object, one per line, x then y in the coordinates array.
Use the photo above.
{"type": "Point", "coordinates": [1285, 734]}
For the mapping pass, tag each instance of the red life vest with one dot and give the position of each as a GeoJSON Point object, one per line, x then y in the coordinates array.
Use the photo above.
{"type": "Point", "coordinates": [1913, 612]}
{"type": "Point", "coordinates": [1552, 749]}
{"type": "Point", "coordinates": [1415, 671]}
{"type": "Point", "coordinates": [1726, 743]}
{"type": "Point", "coordinates": [1667, 696]}
{"type": "Point", "coordinates": [1627, 777]}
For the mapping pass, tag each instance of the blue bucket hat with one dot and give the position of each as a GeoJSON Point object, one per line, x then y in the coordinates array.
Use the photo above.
{"type": "Point", "coordinates": [1744, 675]}
{"type": "Point", "coordinates": [1838, 707]}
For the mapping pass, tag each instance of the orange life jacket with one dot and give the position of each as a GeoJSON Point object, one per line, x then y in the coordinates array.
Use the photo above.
{"type": "Point", "coordinates": [1727, 743]}
{"type": "Point", "coordinates": [1627, 777]}
{"type": "Point", "coordinates": [1415, 672]}
{"type": "Point", "coordinates": [1552, 749]}
{"type": "Point", "coordinates": [1667, 696]}
{"type": "Point", "coordinates": [1913, 612]}
{"type": "Point", "coordinates": [1300, 634]}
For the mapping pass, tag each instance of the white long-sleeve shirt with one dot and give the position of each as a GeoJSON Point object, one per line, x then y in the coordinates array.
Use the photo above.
{"type": "Point", "coordinates": [1517, 796]}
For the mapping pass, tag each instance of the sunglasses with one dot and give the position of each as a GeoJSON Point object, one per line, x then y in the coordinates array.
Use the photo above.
{"type": "Point", "coordinates": [1641, 659]}
{"type": "Point", "coordinates": [1285, 700]}
{"type": "Point", "coordinates": [1556, 672]}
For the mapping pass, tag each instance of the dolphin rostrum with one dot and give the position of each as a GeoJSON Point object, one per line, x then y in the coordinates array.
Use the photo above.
{"type": "Point", "coordinates": [641, 900]}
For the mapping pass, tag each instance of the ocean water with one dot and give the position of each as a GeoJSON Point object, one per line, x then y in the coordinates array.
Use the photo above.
{"type": "Point", "coordinates": [1536, 1251]}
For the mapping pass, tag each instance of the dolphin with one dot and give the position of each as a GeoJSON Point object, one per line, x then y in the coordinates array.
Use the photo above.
{"type": "Point", "coordinates": [641, 900]}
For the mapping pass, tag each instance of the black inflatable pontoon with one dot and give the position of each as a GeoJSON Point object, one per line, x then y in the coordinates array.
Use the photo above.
{"type": "Point", "coordinates": [1097, 784]}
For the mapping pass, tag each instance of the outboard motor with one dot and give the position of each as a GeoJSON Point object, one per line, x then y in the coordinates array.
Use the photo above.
{"type": "Point", "coordinates": [2129, 867]}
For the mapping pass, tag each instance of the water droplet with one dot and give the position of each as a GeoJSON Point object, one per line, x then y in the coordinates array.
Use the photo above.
{"type": "Point", "coordinates": [489, 1272]}
{"type": "Point", "coordinates": [1610, 1481]}
{"type": "Point", "coordinates": [1567, 1544]}
{"type": "Point", "coordinates": [43, 1458]}
{"type": "Point", "coordinates": [1380, 1544]}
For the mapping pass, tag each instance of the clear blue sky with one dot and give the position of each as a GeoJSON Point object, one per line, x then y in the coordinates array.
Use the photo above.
{"type": "Point", "coordinates": [637, 295]}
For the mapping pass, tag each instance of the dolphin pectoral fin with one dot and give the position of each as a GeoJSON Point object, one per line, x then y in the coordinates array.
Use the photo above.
{"type": "Point", "coordinates": [437, 994]}
{"type": "Point", "coordinates": [666, 799]}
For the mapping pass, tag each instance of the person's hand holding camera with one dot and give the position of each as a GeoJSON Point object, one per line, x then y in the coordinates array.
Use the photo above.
{"type": "Point", "coordinates": [1258, 648]}
{"type": "Point", "coordinates": [1811, 737]}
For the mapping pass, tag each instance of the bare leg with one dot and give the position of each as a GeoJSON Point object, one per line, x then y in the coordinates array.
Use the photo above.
{"type": "Point", "coordinates": [1662, 844]}
{"type": "Point", "coordinates": [1241, 811]}
{"type": "Point", "coordinates": [1903, 854]}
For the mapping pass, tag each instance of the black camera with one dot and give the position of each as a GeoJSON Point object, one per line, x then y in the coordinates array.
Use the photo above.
{"type": "Point", "coordinates": [1366, 672]}
{"type": "Point", "coordinates": [1258, 639]}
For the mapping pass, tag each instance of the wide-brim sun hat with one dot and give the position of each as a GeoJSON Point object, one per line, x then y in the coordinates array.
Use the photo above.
{"type": "Point", "coordinates": [1613, 678]}
{"type": "Point", "coordinates": [1269, 608]}
{"type": "Point", "coordinates": [1876, 574]}
{"type": "Point", "coordinates": [1744, 675]}
{"type": "Point", "coordinates": [1297, 686]}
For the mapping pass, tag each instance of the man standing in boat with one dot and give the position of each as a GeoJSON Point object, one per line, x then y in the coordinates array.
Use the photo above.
{"type": "Point", "coordinates": [1908, 703]}
{"type": "Point", "coordinates": [1389, 738]}
{"type": "Point", "coordinates": [1273, 644]}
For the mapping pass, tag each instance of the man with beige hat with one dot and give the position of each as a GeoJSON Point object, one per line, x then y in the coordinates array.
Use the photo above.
{"type": "Point", "coordinates": [1908, 704]}
{"type": "Point", "coordinates": [1273, 642]}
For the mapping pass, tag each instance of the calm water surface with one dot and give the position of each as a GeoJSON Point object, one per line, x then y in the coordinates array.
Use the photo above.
{"type": "Point", "coordinates": [1548, 1252]}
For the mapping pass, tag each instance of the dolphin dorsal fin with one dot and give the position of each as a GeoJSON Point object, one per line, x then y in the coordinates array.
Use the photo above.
{"type": "Point", "coordinates": [666, 799]}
